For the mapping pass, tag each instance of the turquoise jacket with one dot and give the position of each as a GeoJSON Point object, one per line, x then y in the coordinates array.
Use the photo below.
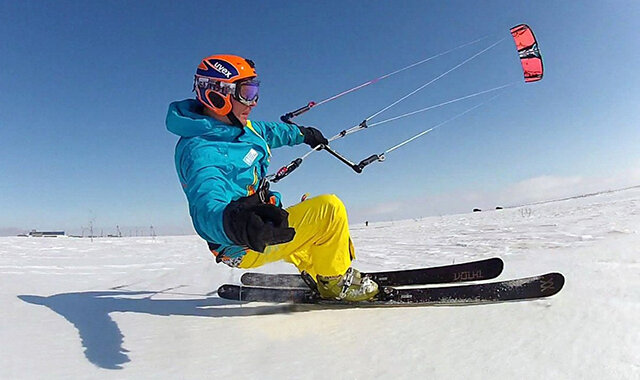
{"type": "Point", "coordinates": [218, 163]}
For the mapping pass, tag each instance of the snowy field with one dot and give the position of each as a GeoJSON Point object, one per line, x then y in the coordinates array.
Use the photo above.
{"type": "Point", "coordinates": [142, 308]}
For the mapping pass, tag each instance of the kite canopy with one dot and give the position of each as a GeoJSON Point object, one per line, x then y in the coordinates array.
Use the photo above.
{"type": "Point", "coordinates": [529, 52]}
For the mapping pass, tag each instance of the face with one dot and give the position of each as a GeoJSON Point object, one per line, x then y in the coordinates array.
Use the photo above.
{"type": "Point", "coordinates": [240, 110]}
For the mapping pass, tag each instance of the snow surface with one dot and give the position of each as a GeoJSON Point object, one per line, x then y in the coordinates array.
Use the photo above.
{"type": "Point", "coordinates": [147, 308]}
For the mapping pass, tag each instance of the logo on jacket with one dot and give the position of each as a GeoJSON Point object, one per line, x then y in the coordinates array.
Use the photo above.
{"type": "Point", "coordinates": [250, 157]}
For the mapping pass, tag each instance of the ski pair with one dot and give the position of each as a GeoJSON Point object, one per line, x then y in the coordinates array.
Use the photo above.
{"type": "Point", "coordinates": [511, 290]}
{"type": "Point", "coordinates": [278, 288]}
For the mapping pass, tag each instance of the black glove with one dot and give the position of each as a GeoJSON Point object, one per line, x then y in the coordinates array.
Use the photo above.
{"type": "Point", "coordinates": [249, 222]}
{"type": "Point", "coordinates": [313, 137]}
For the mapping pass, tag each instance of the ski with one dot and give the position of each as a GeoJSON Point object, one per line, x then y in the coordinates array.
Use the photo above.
{"type": "Point", "coordinates": [470, 271]}
{"type": "Point", "coordinates": [511, 290]}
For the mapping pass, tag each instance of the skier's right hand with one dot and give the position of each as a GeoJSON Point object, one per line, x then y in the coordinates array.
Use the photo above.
{"type": "Point", "coordinates": [249, 222]}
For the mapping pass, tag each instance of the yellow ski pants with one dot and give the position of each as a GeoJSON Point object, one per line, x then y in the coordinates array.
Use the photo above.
{"type": "Point", "coordinates": [322, 244]}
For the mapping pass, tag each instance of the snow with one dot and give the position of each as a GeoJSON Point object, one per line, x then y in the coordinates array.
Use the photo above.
{"type": "Point", "coordinates": [147, 308]}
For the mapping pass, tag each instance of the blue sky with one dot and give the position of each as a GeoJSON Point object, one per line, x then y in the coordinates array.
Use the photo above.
{"type": "Point", "coordinates": [84, 88]}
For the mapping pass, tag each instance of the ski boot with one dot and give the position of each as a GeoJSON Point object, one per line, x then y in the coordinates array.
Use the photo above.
{"type": "Point", "coordinates": [350, 287]}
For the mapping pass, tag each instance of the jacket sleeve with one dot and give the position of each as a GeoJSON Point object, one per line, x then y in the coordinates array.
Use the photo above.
{"type": "Point", "coordinates": [279, 134]}
{"type": "Point", "coordinates": [204, 179]}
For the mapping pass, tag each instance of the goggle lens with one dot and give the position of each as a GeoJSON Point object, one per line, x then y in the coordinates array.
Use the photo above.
{"type": "Point", "coordinates": [248, 91]}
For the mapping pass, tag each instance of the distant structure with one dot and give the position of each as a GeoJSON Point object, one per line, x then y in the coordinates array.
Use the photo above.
{"type": "Point", "coordinates": [476, 210]}
{"type": "Point", "coordinates": [35, 233]}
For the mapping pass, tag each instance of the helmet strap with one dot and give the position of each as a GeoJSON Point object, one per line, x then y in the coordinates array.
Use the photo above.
{"type": "Point", "coordinates": [234, 120]}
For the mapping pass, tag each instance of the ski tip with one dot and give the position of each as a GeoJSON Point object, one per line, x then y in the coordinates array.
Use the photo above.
{"type": "Point", "coordinates": [230, 292]}
{"type": "Point", "coordinates": [559, 277]}
{"type": "Point", "coordinates": [498, 263]}
{"type": "Point", "coordinates": [551, 283]}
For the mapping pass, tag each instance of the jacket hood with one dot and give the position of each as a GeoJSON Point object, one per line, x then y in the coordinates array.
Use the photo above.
{"type": "Point", "coordinates": [184, 119]}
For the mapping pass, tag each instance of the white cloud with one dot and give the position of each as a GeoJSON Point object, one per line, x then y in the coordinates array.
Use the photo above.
{"type": "Point", "coordinates": [531, 190]}
{"type": "Point", "coordinates": [546, 188]}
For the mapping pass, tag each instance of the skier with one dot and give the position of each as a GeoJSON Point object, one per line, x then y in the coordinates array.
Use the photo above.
{"type": "Point", "coordinates": [222, 159]}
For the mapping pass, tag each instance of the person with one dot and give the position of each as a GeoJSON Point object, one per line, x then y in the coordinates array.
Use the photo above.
{"type": "Point", "coordinates": [222, 158]}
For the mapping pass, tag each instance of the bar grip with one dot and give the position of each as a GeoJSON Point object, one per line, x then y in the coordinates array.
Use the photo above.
{"type": "Point", "coordinates": [373, 158]}
{"type": "Point", "coordinates": [286, 170]}
{"type": "Point", "coordinates": [286, 118]}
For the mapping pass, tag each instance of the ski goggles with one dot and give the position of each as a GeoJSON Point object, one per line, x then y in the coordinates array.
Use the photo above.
{"type": "Point", "coordinates": [245, 91]}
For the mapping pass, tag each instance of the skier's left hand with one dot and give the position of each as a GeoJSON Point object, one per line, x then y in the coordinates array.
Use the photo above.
{"type": "Point", "coordinates": [313, 137]}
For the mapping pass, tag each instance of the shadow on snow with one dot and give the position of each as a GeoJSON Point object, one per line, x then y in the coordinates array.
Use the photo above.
{"type": "Point", "coordinates": [101, 337]}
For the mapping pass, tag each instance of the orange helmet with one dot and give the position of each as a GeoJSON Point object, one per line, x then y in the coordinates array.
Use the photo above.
{"type": "Point", "coordinates": [221, 76]}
